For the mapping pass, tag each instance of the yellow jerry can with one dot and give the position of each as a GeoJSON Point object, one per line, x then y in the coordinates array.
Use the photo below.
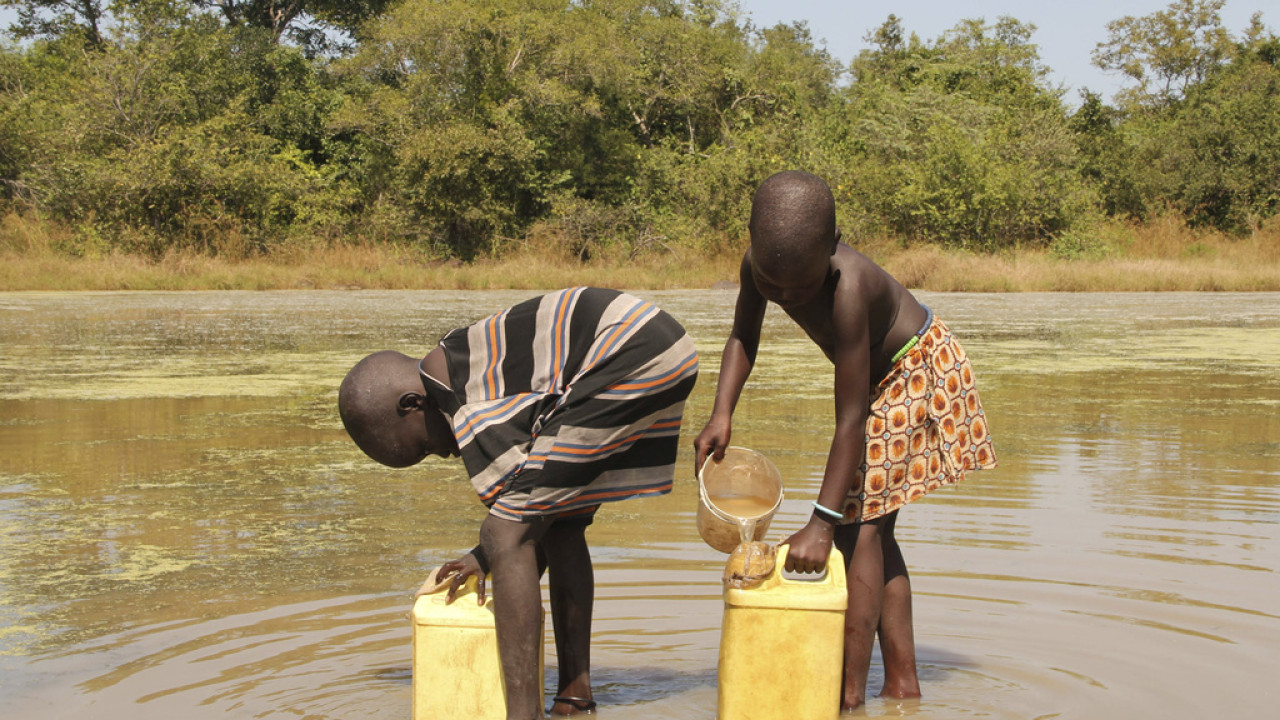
{"type": "Point", "coordinates": [782, 646]}
{"type": "Point", "coordinates": [456, 670]}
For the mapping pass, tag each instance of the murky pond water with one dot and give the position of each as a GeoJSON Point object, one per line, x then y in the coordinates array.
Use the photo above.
{"type": "Point", "coordinates": [185, 530]}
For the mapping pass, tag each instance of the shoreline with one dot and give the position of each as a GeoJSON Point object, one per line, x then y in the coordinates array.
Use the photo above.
{"type": "Point", "coordinates": [1145, 264]}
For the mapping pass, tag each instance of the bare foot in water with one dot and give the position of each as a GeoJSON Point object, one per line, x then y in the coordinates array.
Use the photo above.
{"type": "Point", "coordinates": [901, 683]}
{"type": "Point", "coordinates": [900, 693]}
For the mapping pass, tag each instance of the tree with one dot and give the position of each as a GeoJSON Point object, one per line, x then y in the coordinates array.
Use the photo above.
{"type": "Point", "coordinates": [958, 141]}
{"type": "Point", "coordinates": [305, 21]}
{"type": "Point", "coordinates": [1220, 156]}
{"type": "Point", "coordinates": [308, 22]}
{"type": "Point", "coordinates": [1166, 52]}
{"type": "Point", "coordinates": [1107, 160]}
{"type": "Point", "coordinates": [894, 58]}
{"type": "Point", "coordinates": [486, 116]}
{"type": "Point", "coordinates": [51, 19]}
{"type": "Point", "coordinates": [178, 132]}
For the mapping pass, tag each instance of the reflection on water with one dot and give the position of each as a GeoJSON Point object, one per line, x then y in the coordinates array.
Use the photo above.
{"type": "Point", "coordinates": [184, 528]}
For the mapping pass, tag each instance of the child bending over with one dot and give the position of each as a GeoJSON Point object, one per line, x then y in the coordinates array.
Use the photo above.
{"type": "Point", "coordinates": [908, 417]}
{"type": "Point", "coordinates": [556, 405]}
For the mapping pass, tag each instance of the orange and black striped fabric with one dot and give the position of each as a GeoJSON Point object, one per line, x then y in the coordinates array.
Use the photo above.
{"type": "Point", "coordinates": [568, 400]}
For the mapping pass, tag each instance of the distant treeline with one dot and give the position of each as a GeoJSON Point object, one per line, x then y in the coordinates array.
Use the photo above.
{"type": "Point", "coordinates": [466, 127]}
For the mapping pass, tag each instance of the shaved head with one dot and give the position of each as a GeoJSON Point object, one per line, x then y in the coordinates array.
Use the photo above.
{"type": "Point", "coordinates": [369, 402]}
{"type": "Point", "coordinates": [793, 216]}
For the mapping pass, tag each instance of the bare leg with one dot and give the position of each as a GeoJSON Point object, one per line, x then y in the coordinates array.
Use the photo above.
{"type": "Point", "coordinates": [897, 636]}
{"type": "Point", "coordinates": [861, 544]}
{"type": "Point", "coordinates": [511, 549]}
{"type": "Point", "coordinates": [572, 585]}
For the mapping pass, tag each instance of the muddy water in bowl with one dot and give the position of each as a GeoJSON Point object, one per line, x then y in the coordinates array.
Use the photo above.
{"type": "Point", "coordinates": [748, 510]}
{"type": "Point", "coordinates": [737, 498]}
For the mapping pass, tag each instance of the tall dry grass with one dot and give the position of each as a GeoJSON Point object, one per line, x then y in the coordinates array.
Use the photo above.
{"type": "Point", "coordinates": [1161, 255]}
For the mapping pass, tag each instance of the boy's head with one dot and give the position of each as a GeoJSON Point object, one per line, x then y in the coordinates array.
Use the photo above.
{"type": "Point", "coordinates": [793, 235]}
{"type": "Point", "coordinates": [388, 414]}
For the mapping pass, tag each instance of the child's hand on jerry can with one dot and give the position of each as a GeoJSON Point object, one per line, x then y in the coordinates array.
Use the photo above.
{"type": "Point", "coordinates": [454, 575]}
{"type": "Point", "coordinates": [810, 548]}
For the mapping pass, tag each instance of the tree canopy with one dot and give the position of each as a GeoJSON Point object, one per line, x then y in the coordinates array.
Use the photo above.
{"type": "Point", "coordinates": [464, 127]}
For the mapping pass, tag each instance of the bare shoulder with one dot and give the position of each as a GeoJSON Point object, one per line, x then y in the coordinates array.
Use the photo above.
{"type": "Point", "coordinates": [868, 294]}
{"type": "Point", "coordinates": [860, 279]}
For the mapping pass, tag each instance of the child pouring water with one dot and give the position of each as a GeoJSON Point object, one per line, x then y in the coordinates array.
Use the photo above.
{"type": "Point", "coordinates": [908, 418]}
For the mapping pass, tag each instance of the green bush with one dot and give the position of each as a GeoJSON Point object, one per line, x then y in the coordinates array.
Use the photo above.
{"type": "Point", "coordinates": [460, 127]}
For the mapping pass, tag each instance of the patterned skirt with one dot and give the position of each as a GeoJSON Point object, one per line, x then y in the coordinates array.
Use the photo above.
{"type": "Point", "coordinates": [926, 428]}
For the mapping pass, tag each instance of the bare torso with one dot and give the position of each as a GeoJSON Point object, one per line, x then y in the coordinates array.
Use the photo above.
{"type": "Point", "coordinates": [893, 315]}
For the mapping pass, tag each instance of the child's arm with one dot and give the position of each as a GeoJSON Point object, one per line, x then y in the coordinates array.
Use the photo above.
{"type": "Point", "coordinates": [735, 366]}
{"type": "Point", "coordinates": [852, 356]}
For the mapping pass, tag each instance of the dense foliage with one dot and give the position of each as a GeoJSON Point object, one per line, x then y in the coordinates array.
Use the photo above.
{"type": "Point", "coordinates": [466, 127]}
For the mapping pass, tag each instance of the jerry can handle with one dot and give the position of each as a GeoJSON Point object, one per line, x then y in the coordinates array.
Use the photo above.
{"type": "Point", "coordinates": [834, 561]}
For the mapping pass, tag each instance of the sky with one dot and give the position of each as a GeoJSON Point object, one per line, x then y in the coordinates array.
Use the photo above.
{"type": "Point", "coordinates": [1067, 31]}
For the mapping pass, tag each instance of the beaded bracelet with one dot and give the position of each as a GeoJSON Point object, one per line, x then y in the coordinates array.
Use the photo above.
{"type": "Point", "coordinates": [828, 513]}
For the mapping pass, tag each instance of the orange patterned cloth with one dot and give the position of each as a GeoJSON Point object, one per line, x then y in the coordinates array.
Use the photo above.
{"type": "Point", "coordinates": [925, 429]}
